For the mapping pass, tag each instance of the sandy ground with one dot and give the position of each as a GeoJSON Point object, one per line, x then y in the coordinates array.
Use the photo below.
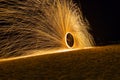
{"type": "Point", "coordinates": [99, 63]}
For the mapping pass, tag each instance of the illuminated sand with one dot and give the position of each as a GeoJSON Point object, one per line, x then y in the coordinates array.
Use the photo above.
{"type": "Point", "coordinates": [98, 63]}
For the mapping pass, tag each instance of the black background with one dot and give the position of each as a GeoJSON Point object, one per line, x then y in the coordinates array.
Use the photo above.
{"type": "Point", "coordinates": [103, 16]}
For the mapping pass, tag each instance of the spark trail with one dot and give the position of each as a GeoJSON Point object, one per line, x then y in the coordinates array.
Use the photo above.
{"type": "Point", "coordinates": [27, 26]}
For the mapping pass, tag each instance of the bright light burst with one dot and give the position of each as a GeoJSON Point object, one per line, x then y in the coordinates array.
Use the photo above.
{"type": "Point", "coordinates": [45, 26]}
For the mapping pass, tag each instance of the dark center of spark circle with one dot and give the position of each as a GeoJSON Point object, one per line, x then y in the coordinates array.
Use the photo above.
{"type": "Point", "coordinates": [69, 39]}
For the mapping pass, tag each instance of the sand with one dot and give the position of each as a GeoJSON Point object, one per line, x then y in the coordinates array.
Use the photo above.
{"type": "Point", "coordinates": [98, 63]}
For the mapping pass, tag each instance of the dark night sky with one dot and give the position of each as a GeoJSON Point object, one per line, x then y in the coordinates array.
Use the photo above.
{"type": "Point", "coordinates": [103, 16]}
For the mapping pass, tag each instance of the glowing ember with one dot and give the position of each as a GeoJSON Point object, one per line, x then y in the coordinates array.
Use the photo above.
{"type": "Point", "coordinates": [41, 25]}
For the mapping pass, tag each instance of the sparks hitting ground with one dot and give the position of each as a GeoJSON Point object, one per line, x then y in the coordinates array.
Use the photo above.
{"type": "Point", "coordinates": [44, 25]}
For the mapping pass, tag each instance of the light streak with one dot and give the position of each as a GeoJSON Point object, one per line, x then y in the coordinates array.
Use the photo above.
{"type": "Point", "coordinates": [44, 26]}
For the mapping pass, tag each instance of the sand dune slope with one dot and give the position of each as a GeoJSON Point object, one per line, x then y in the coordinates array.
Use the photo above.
{"type": "Point", "coordinates": [99, 63]}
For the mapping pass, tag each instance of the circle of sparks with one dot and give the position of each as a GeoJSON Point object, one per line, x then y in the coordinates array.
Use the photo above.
{"type": "Point", "coordinates": [69, 40]}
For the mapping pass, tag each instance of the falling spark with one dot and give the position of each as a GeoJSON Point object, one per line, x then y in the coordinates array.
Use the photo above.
{"type": "Point", "coordinates": [41, 27]}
